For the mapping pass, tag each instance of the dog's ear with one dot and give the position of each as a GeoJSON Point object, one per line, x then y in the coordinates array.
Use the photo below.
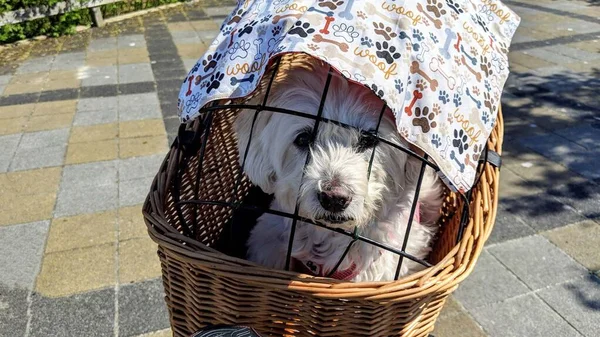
{"type": "Point", "coordinates": [257, 165]}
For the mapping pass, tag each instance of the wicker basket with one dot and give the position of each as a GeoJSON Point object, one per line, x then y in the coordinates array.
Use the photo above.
{"type": "Point", "coordinates": [204, 286]}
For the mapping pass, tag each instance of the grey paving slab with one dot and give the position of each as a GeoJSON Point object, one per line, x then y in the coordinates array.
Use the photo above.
{"type": "Point", "coordinates": [586, 135]}
{"type": "Point", "coordinates": [575, 53]}
{"type": "Point", "coordinates": [219, 11]}
{"type": "Point", "coordinates": [537, 262]}
{"type": "Point", "coordinates": [102, 44]}
{"type": "Point", "coordinates": [21, 251]}
{"type": "Point", "coordinates": [69, 61]}
{"type": "Point", "coordinates": [41, 139]}
{"type": "Point", "coordinates": [8, 146]}
{"type": "Point", "coordinates": [139, 167]}
{"type": "Point", "coordinates": [186, 37]}
{"type": "Point", "coordinates": [139, 106]}
{"type": "Point", "coordinates": [131, 41]}
{"type": "Point", "coordinates": [87, 188]}
{"type": "Point", "coordinates": [207, 36]}
{"type": "Point", "coordinates": [508, 226]}
{"type": "Point", "coordinates": [490, 282]}
{"type": "Point", "coordinates": [572, 155]}
{"type": "Point", "coordinates": [27, 159]}
{"type": "Point", "coordinates": [89, 314]}
{"type": "Point", "coordinates": [583, 196]}
{"type": "Point", "coordinates": [35, 65]}
{"type": "Point", "coordinates": [96, 104]}
{"type": "Point", "coordinates": [522, 316]}
{"type": "Point", "coordinates": [90, 174]}
{"type": "Point", "coordinates": [99, 76]}
{"type": "Point", "coordinates": [550, 56]}
{"type": "Point", "coordinates": [142, 308]}
{"type": "Point", "coordinates": [133, 192]}
{"type": "Point", "coordinates": [13, 311]}
{"type": "Point", "coordinates": [578, 302]}
{"type": "Point", "coordinates": [136, 72]}
{"type": "Point", "coordinates": [87, 118]}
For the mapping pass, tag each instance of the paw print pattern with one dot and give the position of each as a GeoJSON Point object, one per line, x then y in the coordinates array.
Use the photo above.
{"type": "Point", "coordinates": [399, 86]}
{"type": "Point", "coordinates": [434, 38]}
{"type": "Point", "coordinates": [421, 84]}
{"type": "Point", "coordinates": [332, 5]}
{"type": "Point", "coordinates": [276, 30]}
{"type": "Point", "coordinates": [424, 119]}
{"type": "Point", "coordinates": [377, 91]}
{"type": "Point", "coordinates": [443, 97]}
{"type": "Point", "coordinates": [418, 35]}
{"type": "Point", "coordinates": [361, 14]}
{"type": "Point", "coordinates": [383, 30]}
{"type": "Point", "coordinates": [237, 17]}
{"type": "Point", "coordinates": [266, 18]}
{"type": "Point", "coordinates": [302, 29]}
{"type": "Point", "coordinates": [365, 41]}
{"type": "Point", "coordinates": [454, 6]}
{"type": "Point", "coordinates": [457, 100]}
{"type": "Point", "coordinates": [485, 117]}
{"type": "Point", "coordinates": [346, 32]}
{"type": "Point", "coordinates": [215, 81]}
{"type": "Point", "coordinates": [387, 52]}
{"type": "Point", "coordinates": [436, 140]}
{"type": "Point", "coordinates": [460, 141]}
{"type": "Point", "coordinates": [226, 31]}
{"type": "Point", "coordinates": [475, 90]}
{"type": "Point", "coordinates": [313, 46]}
{"type": "Point", "coordinates": [487, 85]}
{"type": "Point", "coordinates": [488, 101]}
{"type": "Point", "coordinates": [248, 27]}
{"type": "Point", "coordinates": [436, 109]}
{"type": "Point", "coordinates": [435, 7]}
{"type": "Point", "coordinates": [211, 61]}
{"type": "Point", "coordinates": [486, 66]}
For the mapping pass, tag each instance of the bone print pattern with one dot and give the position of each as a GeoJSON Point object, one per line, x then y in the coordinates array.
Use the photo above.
{"type": "Point", "coordinates": [416, 55]}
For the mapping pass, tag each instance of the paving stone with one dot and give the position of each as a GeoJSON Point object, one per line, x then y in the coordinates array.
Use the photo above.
{"type": "Point", "coordinates": [550, 56]}
{"type": "Point", "coordinates": [139, 106]}
{"type": "Point", "coordinates": [582, 196]}
{"type": "Point", "coordinates": [92, 267]}
{"type": "Point", "coordinates": [13, 311]}
{"type": "Point", "coordinates": [5, 79]}
{"type": "Point", "coordinates": [139, 167]}
{"type": "Point", "coordinates": [523, 316]}
{"type": "Point", "coordinates": [580, 241]}
{"type": "Point", "coordinates": [142, 308]}
{"type": "Point", "coordinates": [82, 134]}
{"type": "Point", "coordinates": [99, 91]}
{"type": "Point", "coordinates": [27, 159]}
{"type": "Point", "coordinates": [97, 104]}
{"type": "Point", "coordinates": [90, 314]}
{"type": "Point", "coordinates": [49, 122]}
{"type": "Point", "coordinates": [21, 250]}
{"type": "Point", "coordinates": [81, 231]}
{"type": "Point", "coordinates": [87, 188]}
{"type": "Point", "coordinates": [219, 11]}
{"type": "Point", "coordinates": [44, 139]}
{"type": "Point", "coordinates": [577, 301]}
{"type": "Point", "coordinates": [8, 144]}
{"type": "Point", "coordinates": [55, 108]}
{"type": "Point", "coordinates": [131, 41]}
{"type": "Point", "coordinates": [537, 262]}
{"type": "Point", "coordinates": [92, 151]}
{"type": "Point", "coordinates": [35, 65]}
{"type": "Point", "coordinates": [574, 53]}
{"type": "Point", "coordinates": [87, 118]}
{"type": "Point", "coordinates": [131, 223]}
{"type": "Point", "coordinates": [490, 282]}
{"type": "Point", "coordinates": [572, 155]}
{"type": "Point", "coordinates": [141, 128]}
{"type": "Point", "coordinates": [189, 63]}
{"type": "Point", "coordinates": [102, 44]}
{"type": "Point", "coordinates": [99, 76]}
{"type": "Point", "coordinates": [458, 325]}
{"type": "Point", "coordinates": [133, 192]}
{"type": "Point", "coordinates": [136, 72]}
{"type": "Point", "coordinates": [508, 227]}
{"type": "Point", "coordinates": [584, 135]}
{"type": "Point", "coordinates": [69, 61]}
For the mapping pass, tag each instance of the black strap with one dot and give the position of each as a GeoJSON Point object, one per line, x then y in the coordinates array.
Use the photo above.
{"type": "Point", "coordinates": [492, 157]}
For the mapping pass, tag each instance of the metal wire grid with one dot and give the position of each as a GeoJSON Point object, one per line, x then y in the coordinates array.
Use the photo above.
{"type": "Point", "coordinates": [207, 119]}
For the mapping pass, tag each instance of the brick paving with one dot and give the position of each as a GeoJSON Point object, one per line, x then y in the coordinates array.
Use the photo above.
{"type": "Point", "coordinates": [86, 119]}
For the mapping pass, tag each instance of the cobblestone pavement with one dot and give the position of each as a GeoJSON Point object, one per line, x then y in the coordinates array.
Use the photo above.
{"type": "Point", "coordinates": [85, 121]}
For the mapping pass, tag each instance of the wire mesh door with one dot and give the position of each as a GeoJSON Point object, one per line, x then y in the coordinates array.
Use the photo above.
{"type": "Point", "coordinates": [236, 201]}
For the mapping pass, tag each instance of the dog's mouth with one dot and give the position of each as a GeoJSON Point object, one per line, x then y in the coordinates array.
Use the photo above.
{"type": "Point", "coordinates": [335, 219]}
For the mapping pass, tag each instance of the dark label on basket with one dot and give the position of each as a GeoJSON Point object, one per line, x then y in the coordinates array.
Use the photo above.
{"type": "Point", "coordinates": [226, 331]}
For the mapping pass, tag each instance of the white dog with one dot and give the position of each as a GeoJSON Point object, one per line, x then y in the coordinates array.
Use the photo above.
{"type": "Point", "coordinates": [335, 188]}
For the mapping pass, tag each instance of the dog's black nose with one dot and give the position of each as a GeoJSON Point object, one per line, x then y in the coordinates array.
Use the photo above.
{"type": "Point", "coordinates": [334, 200]}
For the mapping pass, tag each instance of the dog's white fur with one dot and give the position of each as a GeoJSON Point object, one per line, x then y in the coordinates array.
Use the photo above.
{"type": "Point", "coordinates": [381, 204]}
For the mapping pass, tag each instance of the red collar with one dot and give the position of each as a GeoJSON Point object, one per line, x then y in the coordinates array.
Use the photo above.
{"type": "Point", "coordinates": [311, 268]}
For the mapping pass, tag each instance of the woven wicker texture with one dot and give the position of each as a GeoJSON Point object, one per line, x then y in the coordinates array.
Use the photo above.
{"type": "Point", "coordinates": [204, 286]}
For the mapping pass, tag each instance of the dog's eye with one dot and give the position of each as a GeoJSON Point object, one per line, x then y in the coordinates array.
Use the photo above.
{"type": "Point", "coordinates": [303, 140]}
{"type": "Point", "coordinates": [366, 141]}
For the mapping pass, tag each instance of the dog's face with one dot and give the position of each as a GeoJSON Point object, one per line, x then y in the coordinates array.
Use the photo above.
{"type": "Point", "coordinates": [343, 182]}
